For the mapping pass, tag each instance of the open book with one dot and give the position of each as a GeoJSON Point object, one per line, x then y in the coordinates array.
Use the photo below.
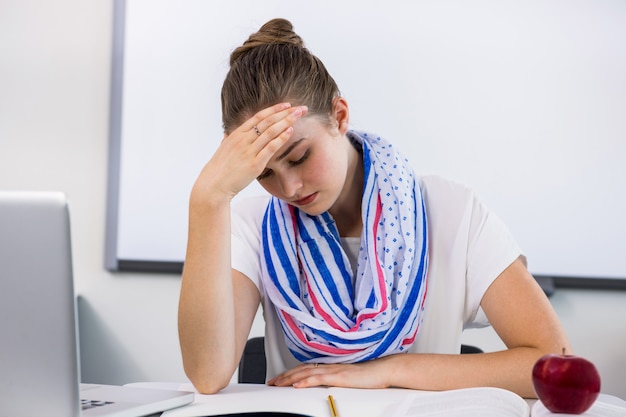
{"type": "Point", "coordinates": [484, 402]}
{"type": "Point", "coordinates": [494, 402]}
{"type": "Point", "coordinates": [605, 406]}
{"type": "Point", "coordinates": [392, 402]}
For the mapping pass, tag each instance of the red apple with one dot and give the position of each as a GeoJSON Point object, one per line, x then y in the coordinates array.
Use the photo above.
{"type": "Point", "coordinates": [566, 383]}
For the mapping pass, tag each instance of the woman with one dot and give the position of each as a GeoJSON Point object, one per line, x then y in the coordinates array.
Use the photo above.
{"type": "Point", "coordinates": [367, 274]}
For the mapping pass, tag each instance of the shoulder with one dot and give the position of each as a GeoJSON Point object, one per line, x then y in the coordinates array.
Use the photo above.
{"type": "Point", "coordinates": [446, 199]}
{"type": "Point", "coordinates": [246, 222]}
{"type": "Point", "coordinates": [249, 208]}
{"type": "Point", "coordinates": [450, 210]}
{"type": "Point", "coordinates": [438, 187]}
{"type": "Point", "coordinates": [247, 217]}
{"type": "Point", "coordinates": [455, 209]}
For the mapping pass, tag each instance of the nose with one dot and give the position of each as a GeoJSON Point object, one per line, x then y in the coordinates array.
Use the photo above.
{"type": "Point", "coordinates": [289, 185]}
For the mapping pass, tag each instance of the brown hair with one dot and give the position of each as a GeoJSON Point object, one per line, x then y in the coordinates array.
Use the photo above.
{"type": "Point", "coordinates": [273, 66]}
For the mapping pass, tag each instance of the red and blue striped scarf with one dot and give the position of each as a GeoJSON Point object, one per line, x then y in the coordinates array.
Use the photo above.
{"type": "Point", "coordinates": [327, 314]}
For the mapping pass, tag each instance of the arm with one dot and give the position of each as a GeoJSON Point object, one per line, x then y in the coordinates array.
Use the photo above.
{"type": "Point", "coordinates": [217, 305]}
{"type": "Point", "coordinates": [519, 312]}
{"type": "Point", "coordinates": [212, 327]}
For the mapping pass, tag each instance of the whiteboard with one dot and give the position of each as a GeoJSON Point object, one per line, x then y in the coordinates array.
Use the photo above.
{"type": "Point", "coordinates": [525, 101]}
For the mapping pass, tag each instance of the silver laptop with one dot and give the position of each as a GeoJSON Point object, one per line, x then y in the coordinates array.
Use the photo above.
{"type": "Point", "coordinates": [39, 358]}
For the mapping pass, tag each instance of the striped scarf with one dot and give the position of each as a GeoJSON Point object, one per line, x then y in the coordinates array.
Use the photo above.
{"type": "Point", "coordinates": [327, 314]}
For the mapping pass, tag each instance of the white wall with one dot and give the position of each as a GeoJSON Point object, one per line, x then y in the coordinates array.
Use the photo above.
{"type": "Point", "coordinates": [54, 91]}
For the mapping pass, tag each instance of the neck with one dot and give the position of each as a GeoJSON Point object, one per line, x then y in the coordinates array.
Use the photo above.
{"type": "Point", "coordinates": [347, 209]}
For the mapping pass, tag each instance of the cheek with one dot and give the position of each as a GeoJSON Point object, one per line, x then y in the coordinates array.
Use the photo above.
{"type": "Point", "coordinates": [320, 170]}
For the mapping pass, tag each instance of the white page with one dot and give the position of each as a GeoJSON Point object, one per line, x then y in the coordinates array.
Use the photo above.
{"type": "Point", "coordinates": [237, 398]}
{"type": "Point", "coordinates": [605, 406]}
{"type": "Point", "coordinates": [470, 402]}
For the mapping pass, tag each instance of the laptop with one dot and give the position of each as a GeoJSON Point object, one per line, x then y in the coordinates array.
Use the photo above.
{"type": "Point", "coordinates": [39, 355]}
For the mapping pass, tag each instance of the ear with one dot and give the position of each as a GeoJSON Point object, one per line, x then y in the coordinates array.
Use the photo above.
{"type": "Point", "coordinates": [341, 114]}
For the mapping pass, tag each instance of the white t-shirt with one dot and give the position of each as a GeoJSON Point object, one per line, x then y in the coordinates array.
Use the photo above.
{"type": "Point", "coordinates": [469, 248]}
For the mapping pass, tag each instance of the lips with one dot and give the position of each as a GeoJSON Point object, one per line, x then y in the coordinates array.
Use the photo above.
{"type": "Point", "coordinates": [306, 200]}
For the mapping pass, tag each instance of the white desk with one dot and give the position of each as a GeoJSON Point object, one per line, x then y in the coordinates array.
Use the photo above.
{"type": "Point", "coordinates": [308, 401]}
{"type": "Point", "coordinates": [365, 402]}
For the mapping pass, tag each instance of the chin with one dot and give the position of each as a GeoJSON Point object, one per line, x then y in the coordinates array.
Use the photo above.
{"type": "Point", "coordinates": [312, 211]}
{"type": "Point", "coordinates": [315, 209]}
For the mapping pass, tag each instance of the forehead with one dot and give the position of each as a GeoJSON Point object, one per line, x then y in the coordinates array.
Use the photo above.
{"type": "Point", "coordinates": [304, 131]}
{"type": "Point", "coordinates": [307, 127]}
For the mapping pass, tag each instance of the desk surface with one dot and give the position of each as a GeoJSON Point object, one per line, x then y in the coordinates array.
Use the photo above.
{"type": "Point", "coordinates": [309, 401]}
{"type": "Point", "coordinates": [390, 402]}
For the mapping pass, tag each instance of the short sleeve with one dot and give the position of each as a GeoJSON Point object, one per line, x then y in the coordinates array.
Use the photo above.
{"type": "Point", "coordinates": [491, 249]}
{"type": "Point", "coordinates": [246, 220]}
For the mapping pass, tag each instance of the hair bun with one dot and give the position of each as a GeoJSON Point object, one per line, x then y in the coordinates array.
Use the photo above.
{"type": "Point", "coordinates": [275, 31]}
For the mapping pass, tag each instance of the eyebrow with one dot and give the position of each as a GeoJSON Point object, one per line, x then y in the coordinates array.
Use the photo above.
{"type": "Point", "coordinates": [289, 149]}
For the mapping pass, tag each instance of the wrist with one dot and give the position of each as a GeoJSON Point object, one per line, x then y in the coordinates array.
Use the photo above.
{"type": "Point", "coordinates": [396, 367]}
{"type": "Point", "coordinates": [206, 197]}
{"type": "Point", "coordinates": [390, 370]}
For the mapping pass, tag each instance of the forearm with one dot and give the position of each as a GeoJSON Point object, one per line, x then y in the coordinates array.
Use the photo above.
{"type": "Point", "coordinates": [509, 369]}
{"type": "Point", "coordinates": [206, 309]}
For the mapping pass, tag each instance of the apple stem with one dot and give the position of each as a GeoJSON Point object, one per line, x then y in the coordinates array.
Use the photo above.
{"type": "Point", "coordinates": [563, 351]}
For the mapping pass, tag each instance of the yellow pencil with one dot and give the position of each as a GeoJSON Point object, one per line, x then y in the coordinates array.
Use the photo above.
{"type": "Point", "coordinates": [333, 407]}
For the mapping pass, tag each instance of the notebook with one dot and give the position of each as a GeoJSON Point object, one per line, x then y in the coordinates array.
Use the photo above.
{"type": "Point", "coordinates": [39, 354]}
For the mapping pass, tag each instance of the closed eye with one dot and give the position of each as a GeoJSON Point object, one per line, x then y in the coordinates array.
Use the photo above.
{"type": "Point", "coordinates": [302, 159]}
{"type": "Point", "coordinates": [268, 172]}
{"type": "Point", "coordinates": [264, 175]}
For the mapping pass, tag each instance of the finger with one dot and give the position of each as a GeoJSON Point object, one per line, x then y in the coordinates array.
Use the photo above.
{"type": "Point", "coordinates": [267, 148]}
{"type": "Point", "coordinates": [280, 117]}
{"type": "Point", "coordinates": [271, 125]}
{"type": "Point", "coordinates": [288, 373]}
{"type": "Point", "coordinates": [250, 128]}
{"type": "Point", "coordinates": [317, 380]}
{"type": "Point", "coordinates": [325, 375]}
{"type": "Point", "coordinates": [266, 143]}
{"type": "Point", "coordinates": [262, 115]}
{"type": "Point", "coordinates": [275, 124]}
{"type": "Point", "coordinates": [299, 374]}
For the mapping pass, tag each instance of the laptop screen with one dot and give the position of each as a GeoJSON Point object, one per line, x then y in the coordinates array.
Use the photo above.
{"type": "Point", "coordinates": [39, 355]}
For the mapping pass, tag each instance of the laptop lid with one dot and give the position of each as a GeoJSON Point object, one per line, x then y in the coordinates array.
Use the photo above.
{"type": "Point", "coordinates": [39, 362]}
{"type": "Point", "coordinates": [37, 310]}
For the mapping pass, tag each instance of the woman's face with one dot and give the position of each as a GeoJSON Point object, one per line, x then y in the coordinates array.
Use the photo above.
{"type": "Point", "coordinates": [309, 171]}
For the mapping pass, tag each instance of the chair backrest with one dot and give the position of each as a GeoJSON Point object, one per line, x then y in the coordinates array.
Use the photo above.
{"type": "Point", "coordinates": [253, 365]}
